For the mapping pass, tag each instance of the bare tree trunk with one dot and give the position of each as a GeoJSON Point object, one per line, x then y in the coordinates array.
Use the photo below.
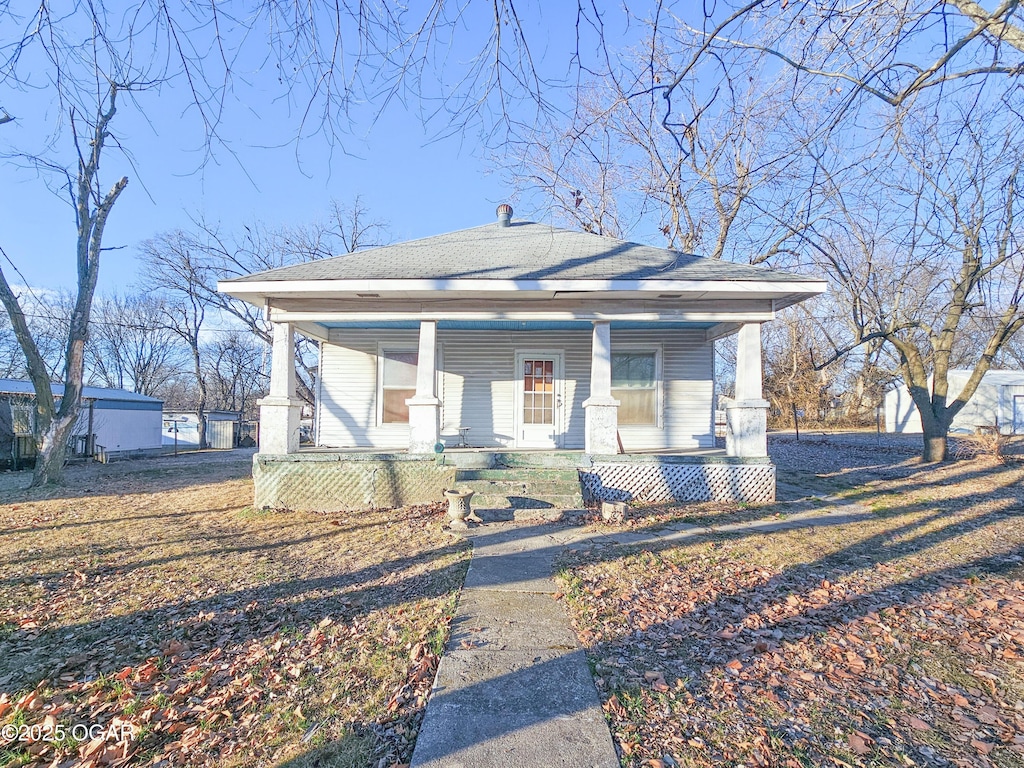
{"type": "Point", "coordinates": [51, 450]}
{"type": "Point", "coordinates": [201, 385]}
{"type": "Point", "coordinates": [935, 447]}
{"type": "Point", "coordinates": [935, 415]}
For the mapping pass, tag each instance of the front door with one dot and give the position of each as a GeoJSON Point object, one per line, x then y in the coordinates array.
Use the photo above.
{"type": "Point", "coordinates": [538, 401]}
{"type": "Point", "coordinates": [1018, 414]}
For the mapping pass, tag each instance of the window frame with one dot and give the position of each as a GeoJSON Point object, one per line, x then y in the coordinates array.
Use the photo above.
{"type": "Point", "coordinates": [659, 398]}
{"type": "Point", "coordinates": [384, 349]}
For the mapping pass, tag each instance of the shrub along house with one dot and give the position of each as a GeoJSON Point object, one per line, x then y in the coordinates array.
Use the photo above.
{"type": "Point", "coordinates": [533, 344]}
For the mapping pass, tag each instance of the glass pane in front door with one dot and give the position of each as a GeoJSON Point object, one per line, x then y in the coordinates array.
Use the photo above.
{"type": "Point", "coordinates": [539, 391]}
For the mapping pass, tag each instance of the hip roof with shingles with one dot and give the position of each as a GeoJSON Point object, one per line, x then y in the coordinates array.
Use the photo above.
{"type": "Point", "coordinates": [522, 251]}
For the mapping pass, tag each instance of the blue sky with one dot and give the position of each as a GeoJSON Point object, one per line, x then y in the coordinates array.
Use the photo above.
{"type": "Point", "coordinates": [419, 187]}
{"type": "Point", "coordinates": [418, 184]}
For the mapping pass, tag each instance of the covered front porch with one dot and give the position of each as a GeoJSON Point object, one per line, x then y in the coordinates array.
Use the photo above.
{"type": "Point", "coordinates": [567, 420]}
{"type": "Point", "coordinates": [598, 386]}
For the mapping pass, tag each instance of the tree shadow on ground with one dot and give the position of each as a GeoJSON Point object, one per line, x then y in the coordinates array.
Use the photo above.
{"type": "Point", "coordinates": [712, 614]}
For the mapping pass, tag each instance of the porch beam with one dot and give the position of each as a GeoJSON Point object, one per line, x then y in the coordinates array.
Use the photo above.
{"type": "Point", "coordinates": [280, 409]}
{"type": "Point", "coordinates": [628, 313]}
{"type": "Point", "coordinates": [611, 305]}
{"type": "Point", "coordinates": [601, 410]}
{"type": "Point", "coordinates": [313, 331]}
{"type": "Point", "coordinates": [720, 331]}
{"type": "Point", "coordinates": [425, 407]}
{"type": "Point", "coordinates": [250, 289]}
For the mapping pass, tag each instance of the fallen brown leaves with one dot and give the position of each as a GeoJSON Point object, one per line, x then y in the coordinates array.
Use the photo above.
{"type": "Point", "coordinates": [894, 641]}
{"type": "Point", "coordinates": [195, 631]}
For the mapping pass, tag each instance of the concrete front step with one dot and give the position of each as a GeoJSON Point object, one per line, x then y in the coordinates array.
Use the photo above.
{"type": "Point", "coordinates": [487, 459]}
{"type": "Point", "coordinates": [519, 475]}
{"type": "Point", "coordinates": [522, 488]}
{"type": "Point", "coordinates": [548, 515]}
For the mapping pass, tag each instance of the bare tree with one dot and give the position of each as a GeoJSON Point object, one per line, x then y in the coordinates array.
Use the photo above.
{"type": "Point", "coordinates": [940, 275]}
{"type": "Point", "coordinates": [237, 371]}
{"type": "Point", "coordinates": [132, 346]}
{"type": "Point", "coordinates": [176, 269]}
{"type": "Point", "coordinates": [878, 140]}
{"type": "Point", "coordinates": [47, 314]}
{"type": "Point", "coordinates": [704, 185]}
{"type": "Point", "coordinates": [792, 384]}
{"type": "Point", "coordinates": [54, 423]}
{"type": "Point", "coordinates": [12, 361]}
{"type": "Point", "coordinates": [891, 52]}
{"type": "Point", "coordinates": [183, 268]}
{"type": "Point", "coordinates": [328, 57]}
{"type": "Point", "coordinates": [347, 227]}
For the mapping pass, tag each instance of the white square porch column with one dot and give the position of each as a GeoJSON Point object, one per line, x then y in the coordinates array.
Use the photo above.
{"type": "Point", "coordinates": [279, 411]}
{"type": "Point", "coordinates": [746, 416]}
{"type": "Point", "coordinates": [425, 407]}
{"type": "Point", "coordinates": [601, 409]}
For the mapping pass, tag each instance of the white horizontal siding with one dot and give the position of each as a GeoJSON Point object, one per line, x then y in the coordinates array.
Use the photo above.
{"type": "Point", "coordinates": [348, 392]}
{"type": "Point", "coordinates": [479, 377]}
{"type": "Point", "coordinates": [687, 390]}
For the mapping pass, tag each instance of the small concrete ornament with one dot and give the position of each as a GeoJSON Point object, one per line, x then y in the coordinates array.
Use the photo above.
{"type": "Point", "coordinates": [459, 511]}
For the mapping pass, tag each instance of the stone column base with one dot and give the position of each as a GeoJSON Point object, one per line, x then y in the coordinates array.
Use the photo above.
{"type": "Point", "coordinates": [602, 424]}
{"type": "Point", "coordinates": [424, 429]}
{"type": "Point", "coordinates": [279, 424]}
{"type": "Point", "coordinates": [746, 428]}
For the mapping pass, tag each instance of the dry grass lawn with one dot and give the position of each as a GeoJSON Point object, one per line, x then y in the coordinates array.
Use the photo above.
{"type": "Point", "coordinates": [895, 641]}
{"type": "Point", "coordinates": [149, 599]}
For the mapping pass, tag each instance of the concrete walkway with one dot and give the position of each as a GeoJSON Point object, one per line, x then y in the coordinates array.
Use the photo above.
{"type": "Point", "coordinates": [513, 687]}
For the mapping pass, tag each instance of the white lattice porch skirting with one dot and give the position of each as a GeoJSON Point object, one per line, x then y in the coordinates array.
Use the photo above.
{"type": "Point", "coordinates": [665, 479]}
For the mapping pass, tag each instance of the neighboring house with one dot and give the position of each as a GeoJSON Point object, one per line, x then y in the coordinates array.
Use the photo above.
{"type": "Point", "coordinates": [998, 401]}
{"type": "Point", "coordinates": [221, 428]}
{"type": "Point", "coordinates": [518, 336]}
{"type": "Point", "coordinates": [123, 423]}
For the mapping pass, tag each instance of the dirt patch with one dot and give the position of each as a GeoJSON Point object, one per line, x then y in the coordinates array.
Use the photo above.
{"type": "Point", "coordinates": [149, 599]}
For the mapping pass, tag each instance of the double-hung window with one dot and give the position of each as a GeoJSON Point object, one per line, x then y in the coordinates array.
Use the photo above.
{"type": "Point", "coordinates": [635, 386]}
{"type": "Point", "coordinates": [397, 384]}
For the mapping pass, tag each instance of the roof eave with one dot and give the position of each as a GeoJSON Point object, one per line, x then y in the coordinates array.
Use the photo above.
{"type": "Point", "coordinates": [258, 292]}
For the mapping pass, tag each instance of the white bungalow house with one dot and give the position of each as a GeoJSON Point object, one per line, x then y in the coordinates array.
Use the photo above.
{"type": "Point", "coordinates": [516, 337]}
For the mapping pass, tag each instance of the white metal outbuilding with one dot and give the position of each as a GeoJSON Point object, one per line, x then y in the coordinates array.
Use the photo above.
{"type": "Point", "coordinates": [182, 427]}
{"type": "Point", "coordinates": [998, 401]}
{"type": "Point", "coordinates": [123, 422]}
